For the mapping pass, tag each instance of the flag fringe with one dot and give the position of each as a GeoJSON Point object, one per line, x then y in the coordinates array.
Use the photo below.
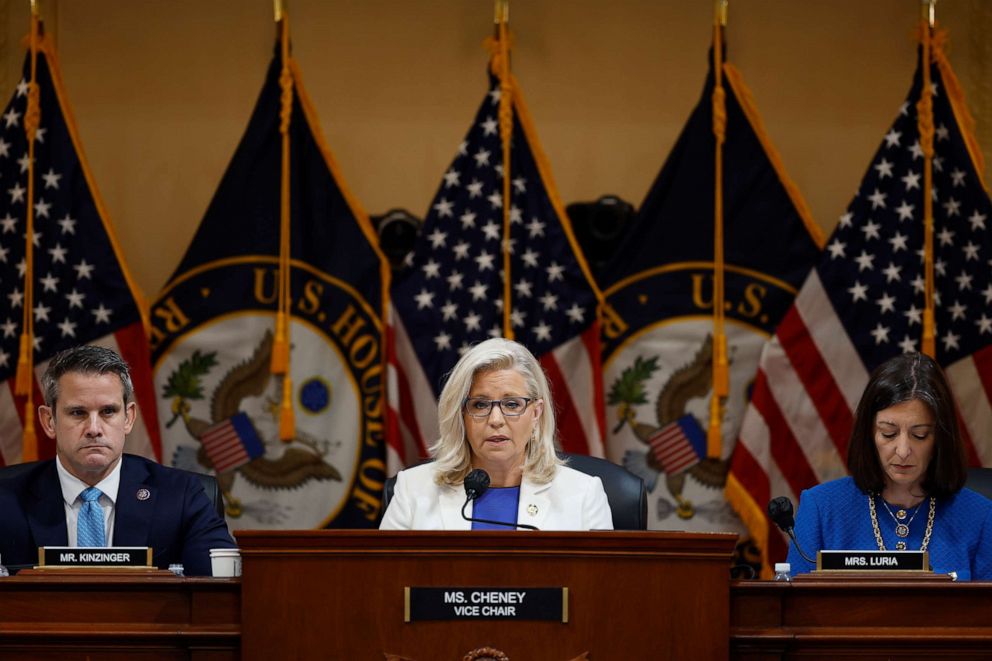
{"type": "Point", "coordinates": [544, 168]}
{"type": "Point", "coordinates": [746, 100]}
{"type": "Point", "coordinates": [55, 72]}
{"type": "Point", "coordinates": [380, 317]}
{"type": "Point", "coordinates": [963, 116]}
{"type": "Point", "coordinates": [754, 518]}
{"type": "Point", "coordinates": [543, 165]}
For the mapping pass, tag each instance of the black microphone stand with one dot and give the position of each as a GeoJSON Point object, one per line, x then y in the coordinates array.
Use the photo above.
{"type": "Point", "coordinates": [494, 523]}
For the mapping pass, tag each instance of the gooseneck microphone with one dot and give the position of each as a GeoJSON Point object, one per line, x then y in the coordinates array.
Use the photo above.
{"type": "Point", "coordinates": [476, 483]}
{"type": "Point", "coordinates": [780, 511]}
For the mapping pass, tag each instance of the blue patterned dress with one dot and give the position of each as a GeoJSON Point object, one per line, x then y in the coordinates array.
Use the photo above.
{"type": "Point", "coordinates": [835, 515]}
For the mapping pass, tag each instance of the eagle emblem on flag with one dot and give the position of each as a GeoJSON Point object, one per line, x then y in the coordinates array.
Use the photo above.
{"type": "Point", "coordinates": [244, 454]}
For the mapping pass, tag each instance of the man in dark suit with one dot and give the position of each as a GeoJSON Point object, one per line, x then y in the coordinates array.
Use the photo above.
{"type": "Point", "coordinates": [89, 409]}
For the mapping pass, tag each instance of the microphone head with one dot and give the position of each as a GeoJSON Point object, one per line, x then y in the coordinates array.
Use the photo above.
{"type": "Point", "coordinates": [780, 511]}
{"type": "Point", "coordinates": [476, 483]}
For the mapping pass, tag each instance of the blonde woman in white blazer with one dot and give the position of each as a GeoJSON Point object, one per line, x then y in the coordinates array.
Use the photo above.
{"type": "Point", "coordinates": [495, 413]}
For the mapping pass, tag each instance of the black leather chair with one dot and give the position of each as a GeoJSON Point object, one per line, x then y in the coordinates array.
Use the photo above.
{"type": "Point", "coordinates": [625, 491]}
{"type": "Point", "coordinates": [209, 482]}
{"type": "Point", "coordinates": [980, 480]}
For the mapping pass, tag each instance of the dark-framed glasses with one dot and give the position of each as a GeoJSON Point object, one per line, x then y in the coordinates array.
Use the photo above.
{"type": "Point", "coordinates": [512, 407]}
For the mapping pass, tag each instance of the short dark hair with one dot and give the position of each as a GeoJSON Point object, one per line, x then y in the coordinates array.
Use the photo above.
{"type": "Point", "coordinates": [902, 379]}
{"type": "Point", "coordinates": [85, 359]}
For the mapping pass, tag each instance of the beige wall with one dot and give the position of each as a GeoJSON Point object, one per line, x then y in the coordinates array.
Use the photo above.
{"type": "Point", "coordinates": [162, 91]}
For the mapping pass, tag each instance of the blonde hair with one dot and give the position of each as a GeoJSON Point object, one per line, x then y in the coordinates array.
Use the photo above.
{"type": "Point", "coordinates": [452, 453]}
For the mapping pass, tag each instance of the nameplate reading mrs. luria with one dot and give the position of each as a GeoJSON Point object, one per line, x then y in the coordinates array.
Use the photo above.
{"type": "Point", "coordinates": [461, 603]}
{"type": "Point", "coordinates": [138, 557]}
{"type": "Point", "coordinates": [915, 561]}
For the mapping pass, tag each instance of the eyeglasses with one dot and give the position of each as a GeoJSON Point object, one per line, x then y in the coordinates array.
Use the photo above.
{"type": "Point", "coordinates": [511, 407]}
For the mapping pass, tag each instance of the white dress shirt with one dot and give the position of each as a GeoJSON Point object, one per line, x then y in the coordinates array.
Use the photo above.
{"type": "Point", "coordinates": [72, 487]}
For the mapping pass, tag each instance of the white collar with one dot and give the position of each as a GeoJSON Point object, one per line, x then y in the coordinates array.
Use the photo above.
{"type": "Point", "coordinates": [72, 486]}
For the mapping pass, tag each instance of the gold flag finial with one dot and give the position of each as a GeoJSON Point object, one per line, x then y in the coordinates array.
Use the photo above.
{"type": "Point", "coordinates": [930, 11]}
{"type": "Point", "coordinates": [502, 12]}
{"type": "Point", "coordinates": [279, 9]}
{"type": "Point", "coordinates": [720, 12]}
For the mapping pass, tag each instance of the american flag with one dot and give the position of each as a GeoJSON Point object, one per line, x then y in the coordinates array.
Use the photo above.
{"type": "Point", "coordinates": [82, 291]}
{"type": "Point", "coordinates": [863, 304]}
{"type": "Point", "coordinates": [679, 445]}
{"type": "Point", "coordinates": [232, 443]}
{"type": "Point", "coordinates": [451, 296]}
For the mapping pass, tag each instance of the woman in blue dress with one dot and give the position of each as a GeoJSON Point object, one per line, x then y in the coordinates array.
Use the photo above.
{"type": "Point", "coordinates": [906, 486]}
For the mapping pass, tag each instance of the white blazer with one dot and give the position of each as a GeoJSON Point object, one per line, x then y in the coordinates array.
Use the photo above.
{"type": "Point", "coordinates": [571, 501]}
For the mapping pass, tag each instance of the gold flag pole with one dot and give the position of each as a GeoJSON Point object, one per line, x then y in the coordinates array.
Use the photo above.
{"type": "Point", "coordinates": [501, 66]}
{"type": "Point", "coordinates": [24, 380]}
{"type": "Point", "coordinates": [721, 375]}
{"type": "Point", "coordinates": [281, 346]}
{"type": "Point", "coordinates": [924, 119]}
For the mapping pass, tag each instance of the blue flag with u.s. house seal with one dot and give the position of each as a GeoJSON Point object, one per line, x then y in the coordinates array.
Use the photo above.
{"type": "Point", "coordinates": [658, 368]}
{"type": "Point", "coordinates": [214, 324]}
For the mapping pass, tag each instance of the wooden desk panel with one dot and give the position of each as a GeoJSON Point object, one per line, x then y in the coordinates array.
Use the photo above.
{"type": "Point", "coordinates": [117, 616]}
{"type": "Point", "coordinates": [860, 619]}
{"type": "Point", "coordinates": [339, 594]}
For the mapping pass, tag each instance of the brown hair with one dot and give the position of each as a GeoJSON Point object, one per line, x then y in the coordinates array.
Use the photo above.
{"type": "Point", "coordinates": [902, 379]}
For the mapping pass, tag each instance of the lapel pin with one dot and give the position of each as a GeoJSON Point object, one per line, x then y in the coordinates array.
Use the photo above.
{"type": "Point", "coordinates": [532, 509]}
{"type": "Point", "coordinates": [144, 494]}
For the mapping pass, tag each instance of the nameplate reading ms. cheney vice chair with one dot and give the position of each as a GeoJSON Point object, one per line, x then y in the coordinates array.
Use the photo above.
{"type": "Point", "coordinates": [209, 482]}
{"type": "Point", "coordinates": [625, 491]}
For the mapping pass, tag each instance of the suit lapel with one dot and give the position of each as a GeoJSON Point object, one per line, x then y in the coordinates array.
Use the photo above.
{"type": "Point", "coordinates": [451, 500]}
{"type": "Point", "coordinates": [534, 503]}
{"type": "Point", "coordinates": [45, 509]}
{"type": "Point", "coordinates": [135, 505]}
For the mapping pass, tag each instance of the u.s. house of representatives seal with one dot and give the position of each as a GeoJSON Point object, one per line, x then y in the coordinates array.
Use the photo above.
{"type": "Point", "coordinates": [219, 401]}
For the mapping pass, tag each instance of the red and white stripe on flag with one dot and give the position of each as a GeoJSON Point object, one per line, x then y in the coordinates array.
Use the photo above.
{"type": "Point", "coordinates": [575, 375]}
{"type": "Point", "coordinates": [224, 447]}
{"type": "Point", "coordinates": [144, 439]}
{"type": "Point", "coordinates": [795, 432]}
{"type": "Point", "coordinates": [671, 447]}
{"type": "Point", "coordinates": [412, 408]}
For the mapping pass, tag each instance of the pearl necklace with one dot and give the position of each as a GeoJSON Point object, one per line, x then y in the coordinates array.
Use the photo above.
{"type": "Point", "coordinates": [901, 546]}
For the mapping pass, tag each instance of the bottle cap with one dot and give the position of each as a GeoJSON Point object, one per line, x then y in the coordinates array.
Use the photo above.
{"type": "Point", "coordinates": [782, 567]}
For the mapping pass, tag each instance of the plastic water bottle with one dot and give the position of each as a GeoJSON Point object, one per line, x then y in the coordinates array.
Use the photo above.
{"type": "Point", "coordinates": [783, 571]}
{"type": "Point", "coordinates": [3, 570]}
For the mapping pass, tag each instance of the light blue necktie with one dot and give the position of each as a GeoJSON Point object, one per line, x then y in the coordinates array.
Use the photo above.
{"type": "Point", "coordinates": [90, 526]}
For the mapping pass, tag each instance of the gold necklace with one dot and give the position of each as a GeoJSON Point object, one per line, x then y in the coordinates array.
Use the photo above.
{"type": "Point", "coordinates": [902, 529]}
{"type": "Point", "coordinates": [901, 546]}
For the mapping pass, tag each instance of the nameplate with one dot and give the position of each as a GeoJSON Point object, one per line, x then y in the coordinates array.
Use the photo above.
{"type": "Point", "coordinates": [461, 603]}
{"type": "Point", "coordinates": [94, 557]}
{"type": "Point", "coordinates": [916, 561]}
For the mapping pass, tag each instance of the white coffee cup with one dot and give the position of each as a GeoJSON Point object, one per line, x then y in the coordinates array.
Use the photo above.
{"type": "Point", "coordinates": [225, 562]}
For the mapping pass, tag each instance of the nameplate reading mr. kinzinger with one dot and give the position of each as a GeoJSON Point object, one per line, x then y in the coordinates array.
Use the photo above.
{"type": "Point", "coordinates": [80, 556]}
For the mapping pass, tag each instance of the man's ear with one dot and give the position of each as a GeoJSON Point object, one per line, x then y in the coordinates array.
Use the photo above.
{"type": "Point", "coordinates": [47, 417]}
{"type": "Point", "coordinates": [130, 415]}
